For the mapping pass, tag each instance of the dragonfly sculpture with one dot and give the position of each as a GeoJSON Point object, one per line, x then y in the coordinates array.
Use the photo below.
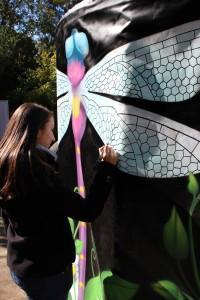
{"type": "Point", "coordinates": [163, 67]}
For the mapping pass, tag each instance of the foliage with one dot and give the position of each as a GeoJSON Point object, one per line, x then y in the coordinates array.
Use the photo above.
{"type": "Point", "coordinates": [36, 19]}
{"type": "Point", "coordinates": [168, 290]}
{"type": "Point", "coordinates": [193, 188]}
{"type": "Point", "coordinates": [41, 82]}
{"type": "Point", "coordinates": [17, 57]}
{"type": "Point", "coordinates": [27, 51]}
{"type": "Point", "coordinates": [179, 243]}
{"type": "Point", "coordinates": [175, 237]}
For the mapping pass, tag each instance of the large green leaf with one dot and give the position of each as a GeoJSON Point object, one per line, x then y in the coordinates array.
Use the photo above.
{"type": "Point", "coordinates": [94, 289]}
{"type": "Point", "coordinates": [168, 290]}
{"type": "Point", "coordinates": [175, 237]}
{"type": "Point", "coordinates": [79, 246]}
{"type": "Point", "coordinates": [117, 288]}
{"type": "Point", "coordinates": [106, 274]}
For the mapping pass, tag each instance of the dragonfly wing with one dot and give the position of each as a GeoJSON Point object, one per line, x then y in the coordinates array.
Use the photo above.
{"type": "Point", "coordinates": [149, 144]}
{"type": "Point", "coordinates": [161, 67]}
{"type": "Point", "coordinates": [64, 103]}
{"type": "Point", "coordinates": [63, 83]}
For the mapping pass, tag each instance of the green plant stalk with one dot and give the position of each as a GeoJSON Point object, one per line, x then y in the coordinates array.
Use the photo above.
{"type": "Point", "coordinates": [94, 249]}
{"type": "Point", "coordinates": [97, 261]}
{"type": "Point", "coordinates": [92, 254]}
{"type": "Point", "coordinates": [76, 230]}
{"type": "Point", "coordinates": [193, 257]}
{"type": "Point", "coordinates": [187, 297]}
{"type": "Point", "coordinates": [187, 283]}
{"type": "Point", "coordinates": [92, 257]}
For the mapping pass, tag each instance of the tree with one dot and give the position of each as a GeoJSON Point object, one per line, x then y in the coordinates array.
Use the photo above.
{"type": "Point", "coordinates": [27, 50]}
{"type": "Point", "coordinates": [17, 58]}
{"type": "Point", "coordinates": [42, 80]}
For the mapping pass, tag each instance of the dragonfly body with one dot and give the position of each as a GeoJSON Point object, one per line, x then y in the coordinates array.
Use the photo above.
{"type": "Point", "coordinates": [76, 49]}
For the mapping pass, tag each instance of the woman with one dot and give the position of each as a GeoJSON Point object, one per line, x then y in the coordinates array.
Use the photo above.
{"type": "Point", "coordinates": [35, 204]}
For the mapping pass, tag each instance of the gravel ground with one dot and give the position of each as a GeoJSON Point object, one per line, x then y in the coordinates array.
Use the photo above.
{"type": "Point", "coordinates": [8, 290]}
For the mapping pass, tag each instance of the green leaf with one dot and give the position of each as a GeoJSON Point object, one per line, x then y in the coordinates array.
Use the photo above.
{"type": "Point", "coordinates": [175, 237]}
{"type": "Point", "coordinates": [117, 288]}
{"type": "Point", "coordinates": [168, 290]}
{"type": "Point", "coordinates": [193, 186]}
{"type": "Point", "coordinates": [69, 297]}
{"type": "Point", "coordinates": [106, 274]}
{"type": "Point", "coordinates": [94, 289]}
{"type": "Point", "coordinates": [76, 189]}
{"type": "Point", "coordinates": [194, 204]}
{"type": "Point", "coordinates": [71, 222]}
{"type": "Point", "coordinates": [79, 246]}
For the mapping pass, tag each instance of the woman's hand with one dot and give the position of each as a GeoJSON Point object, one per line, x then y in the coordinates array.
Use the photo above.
{"type": "Point", "coordinates": [108, 154]}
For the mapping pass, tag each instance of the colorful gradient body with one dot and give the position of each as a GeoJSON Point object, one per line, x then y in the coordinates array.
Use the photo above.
{"type": "Point", "coordinates": [76, 48]}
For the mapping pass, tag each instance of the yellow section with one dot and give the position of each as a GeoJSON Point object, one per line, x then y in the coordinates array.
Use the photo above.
{"type": "Point", "coordinates": [78, 150]}
{"type": "Point", "coordinates": [81, 284]}
{"type": "Point", "coordinates": [75, 106]}
{"type": "Point", "coordinates": [82, 224]}
{"type": "Point", "coordinates": [73, 269]}
{"type": "Point", "coordinates": [81, 189]}
{"type": "Point", "coordinates": [82, 257]}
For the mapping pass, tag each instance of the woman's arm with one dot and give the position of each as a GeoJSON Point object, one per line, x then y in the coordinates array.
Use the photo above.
{"type": "Point", "coordinates": [61, 200]}
{"type": "Point", "coordinates": [88, 209]}
{"type": "Point", "coordinates": [74, 206]}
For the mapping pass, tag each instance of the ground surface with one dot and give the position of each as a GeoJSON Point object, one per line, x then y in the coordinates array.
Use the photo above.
{"type": "Point", "coordinates": [8, 290]}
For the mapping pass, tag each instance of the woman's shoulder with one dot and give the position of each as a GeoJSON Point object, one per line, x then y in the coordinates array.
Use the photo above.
{"type": "Point", "coordinates": [44, 166]}
{"type": "Point", "coordinates": [43, 157]}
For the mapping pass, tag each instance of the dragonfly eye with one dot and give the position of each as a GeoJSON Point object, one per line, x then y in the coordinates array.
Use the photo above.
{"type": "Point", "coordinates": [76, 45]}
{"type": "Point", "coordinates": [81, 43]}
{"type": "Point", "coordinates": [69, 47]}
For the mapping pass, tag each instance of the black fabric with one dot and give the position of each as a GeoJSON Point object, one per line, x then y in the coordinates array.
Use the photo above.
{"type": "Point", "coordinates": [142, 206]}
{"type": "Point", "coordinates": [39, 237]}
{"type": "Point", "coordinates": [131, 21]}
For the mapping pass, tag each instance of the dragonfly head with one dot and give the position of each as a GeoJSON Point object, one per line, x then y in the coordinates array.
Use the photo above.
{"type": "Point", "coordinates": [76, 49]}
{"type": "Point", "coordinates": [76, 45]}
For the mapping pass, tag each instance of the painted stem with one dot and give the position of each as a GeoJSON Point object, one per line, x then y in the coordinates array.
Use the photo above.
{"type": "Point", "coordinates": [82, 231]}
{"type": "Point", "coordinates": [78, 126]}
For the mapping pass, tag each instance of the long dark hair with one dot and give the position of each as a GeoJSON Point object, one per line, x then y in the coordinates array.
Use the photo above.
{"type": "Point", "coordinates": [18, 142]}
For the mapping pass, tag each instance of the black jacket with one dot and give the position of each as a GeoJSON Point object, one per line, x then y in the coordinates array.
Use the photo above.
{"type": "Point", "coordinates": [40, 241]}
